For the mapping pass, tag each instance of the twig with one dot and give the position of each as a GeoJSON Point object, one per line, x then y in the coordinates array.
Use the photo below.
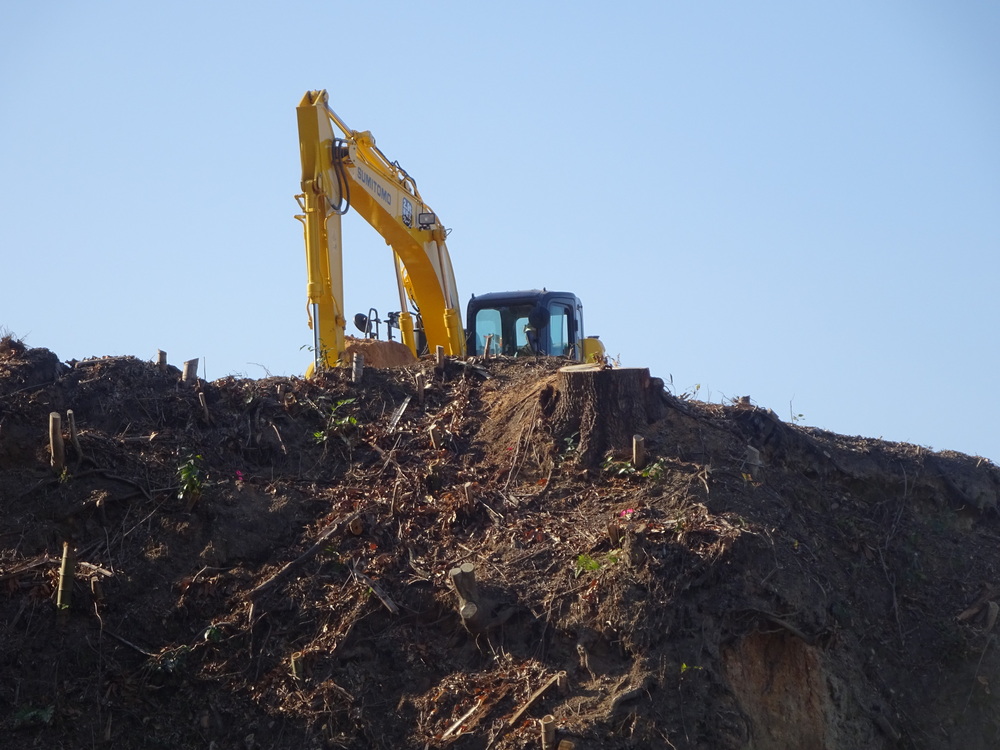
{"type": "Point", "coordinates": [703, 476]}
{"type": "Point", "coordinates": [94, 569]}
{"type": "Point", "coordinates": [280, 441]}
{"type": "Point", "coordinates": [990, 593]}
{"type": "Point", "coordinates": [787, 626]}
{"type": "Point", "coordinates": [310, 553]}
{"type": "Point", "coordinates": [74, 435]}
{"type": "Point", "coordinates": [533, 697]}
{"type": "Point", "coordinates": [975, 677]}
{"type": "Point", "coordinates": [387, 455]}
{"type": "Point", "coordinates": [891, 580]}
{"type": "Point", "coordinates": [131, 645]}
{"type": "Point", "coordinates": [522, 440]}
{"type": "Point", "coordinates": [377, 590]}
{"type": "Point", "coordinates": [100, 472]}
{"type": "Point", "coordinates": [18, 569]}
{"type": "Point", "coordinates": [448, 732]}
{"type": "Point", "coordinates": [394, 420]}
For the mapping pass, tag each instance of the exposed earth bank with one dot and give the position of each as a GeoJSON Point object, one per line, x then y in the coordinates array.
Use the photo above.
{"type": "Point", "coordinates": [431, 559]}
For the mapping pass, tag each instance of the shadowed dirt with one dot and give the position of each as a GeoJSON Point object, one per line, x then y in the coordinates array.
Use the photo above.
{"type": "Point", "coordinates": [268, 564]}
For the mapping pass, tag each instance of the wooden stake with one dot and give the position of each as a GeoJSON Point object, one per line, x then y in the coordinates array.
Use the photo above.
{"type": "Point", "coordinates": [204, 407]}
{"type": "Point", "coordinates": [57, 451]}
{"type": "Point", "coordinates": [190, 372]}
{"type": "Point", "coordinates": [638, 451]}
{"type": "Point", "coordinates": [357, 367]}
{"type": "Point", "coordinates": [437, 440]}
{"type": "Point", "coordinates": [463, 578]}
{"type": "Point", "coordinates": [439, 358]}
{"type": "Point", "coordinates": [547, 725]}
{"type": "Point", "coordinates": [615, 533]}
{"type": "Point", "coordinates": [73, 437]}
{"type": "Point", "coordinates": [488, 346]}
{"type": "Point", "coordinates": [753, 462]}
{"type": "Point", "coordinates": [66, 571]}
{"type": "Point", "coordinates": [421, 383]}
{"type": "Point", "coordinates": [562, 683]}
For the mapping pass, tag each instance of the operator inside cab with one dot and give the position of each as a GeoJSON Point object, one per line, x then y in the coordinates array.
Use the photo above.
{"type": "Point", "coordinates": [538, 320]}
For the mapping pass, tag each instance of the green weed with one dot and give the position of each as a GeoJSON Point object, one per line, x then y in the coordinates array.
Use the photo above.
{"type": "Point", "coordinates": [585, 562]}
{"type": "Point", "coordinates": [338, 424]}
{"type": "Point", "coordinates": [192, 479]}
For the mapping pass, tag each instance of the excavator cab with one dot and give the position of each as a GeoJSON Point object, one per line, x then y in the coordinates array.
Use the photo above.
{"type": "Point", "coordinates": [535, 322]}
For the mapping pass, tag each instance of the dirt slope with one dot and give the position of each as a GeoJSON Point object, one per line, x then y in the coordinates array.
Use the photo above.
{"type": "Point", "coordinates": [271, 569]}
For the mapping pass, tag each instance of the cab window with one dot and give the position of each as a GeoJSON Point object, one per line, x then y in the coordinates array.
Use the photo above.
{"type": "Point", "coordinates": [508, 324]}
{"type": "Point", "coordinates": [561, 334]}
{"type": "Point", "coordinates": [487, 323]}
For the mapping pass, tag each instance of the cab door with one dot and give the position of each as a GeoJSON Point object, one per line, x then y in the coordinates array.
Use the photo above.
{"type": "Point", "coordinates": [562, 329]}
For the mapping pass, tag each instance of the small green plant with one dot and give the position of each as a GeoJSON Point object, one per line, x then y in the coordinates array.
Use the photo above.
{"type": "Point", "coordinates": [685, 395]}
{"type": "Point", "coordinates": [212, 634]}
{"type": "Point", "coordinates": [688, 667]}
{"type": "Point", "coordinates": [338, 424]}
{"type": "Point", "coordinates": [585, 562]}
{"type": "Point", "coordinates": [323, 359]}
{"type": "Point", "coordinates": [571, 445]}
{"type": "Point", "coordinates": [654, 470]}
{"type": "Point", "coordinates": [619, 468]}
{"type": "Point", "coordinates": [795, 418]}
{"type": "Point", "coordinates": [32, 717]}
{"type": "Point", "coordinates": [170, 661]}
{"type": "Point", "coordinates": [192, 479]}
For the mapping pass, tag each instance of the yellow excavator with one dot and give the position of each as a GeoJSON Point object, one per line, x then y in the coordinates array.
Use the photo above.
{"type": "Point", "coordinates": [349, 170]}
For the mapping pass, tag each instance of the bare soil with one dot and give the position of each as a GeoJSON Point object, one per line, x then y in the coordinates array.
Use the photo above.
{"type": "Point", "coordinates": [266, 564]}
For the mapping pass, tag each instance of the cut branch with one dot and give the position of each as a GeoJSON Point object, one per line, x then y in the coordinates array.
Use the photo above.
{"type": "Point", "coordinates": [383, 597]}
{"type": "Point", "coordinates": [299, 561]}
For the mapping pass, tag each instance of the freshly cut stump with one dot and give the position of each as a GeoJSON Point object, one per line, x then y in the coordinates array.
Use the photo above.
{"type": "Point", "coordinates": [604, 407]}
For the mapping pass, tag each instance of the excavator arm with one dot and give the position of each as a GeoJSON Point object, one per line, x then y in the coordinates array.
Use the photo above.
{"type": "Point", "coordinates": [350, 171]}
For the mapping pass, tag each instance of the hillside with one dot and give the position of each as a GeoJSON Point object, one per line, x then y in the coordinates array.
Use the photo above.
{"type": "Point", "coordinates": [268, 564]}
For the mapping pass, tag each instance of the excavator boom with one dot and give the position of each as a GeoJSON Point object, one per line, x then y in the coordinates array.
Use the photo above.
{"type": "Point", "coordinates": [349, 170]}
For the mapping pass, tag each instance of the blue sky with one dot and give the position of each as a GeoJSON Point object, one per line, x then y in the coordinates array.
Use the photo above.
{"type": "Point", "coordinates": [799, 202]}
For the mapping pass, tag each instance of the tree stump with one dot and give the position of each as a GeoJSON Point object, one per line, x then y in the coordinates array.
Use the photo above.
{"type": "Point", "coordinates": [603, 407]}
{"type": "Point", "coordinates": [463, 578]}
